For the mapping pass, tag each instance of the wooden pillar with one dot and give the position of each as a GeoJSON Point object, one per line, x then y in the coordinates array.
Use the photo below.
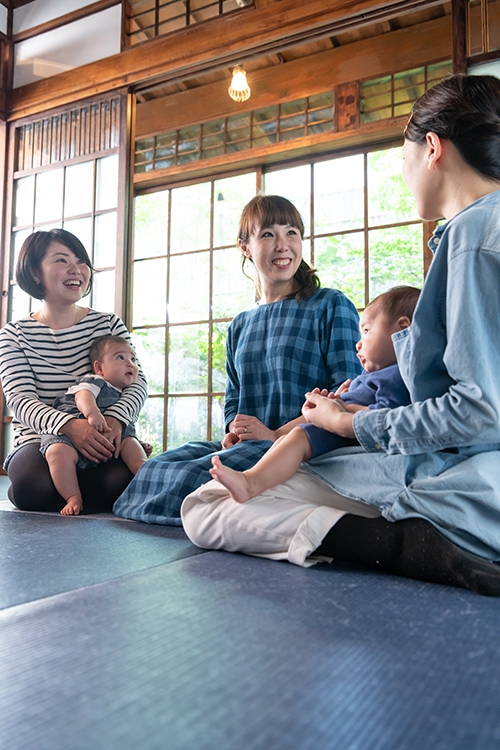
{"type": "Point", "coordinates": [459, 35]}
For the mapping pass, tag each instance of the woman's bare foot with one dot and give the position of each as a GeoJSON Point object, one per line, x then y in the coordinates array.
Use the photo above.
{"type": "Point", "coordinates": [235, 481]}
{"type": "Point", "coordinates": [73, 506]}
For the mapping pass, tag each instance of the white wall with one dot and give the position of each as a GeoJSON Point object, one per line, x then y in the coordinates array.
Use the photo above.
{"type": "Point", "coordinates": [41, 11]}
{"type": "Point", "coordinates": [70, 46]}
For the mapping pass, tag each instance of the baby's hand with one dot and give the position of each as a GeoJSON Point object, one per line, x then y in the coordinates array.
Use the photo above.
{"type": "Point", "coordinates": [98, 421]}
{"type": "Point", "coordinates": [341, 389]}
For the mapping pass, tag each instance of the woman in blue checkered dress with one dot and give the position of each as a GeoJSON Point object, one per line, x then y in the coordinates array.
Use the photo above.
{"type": "Point", "coordinates": [297, 337]}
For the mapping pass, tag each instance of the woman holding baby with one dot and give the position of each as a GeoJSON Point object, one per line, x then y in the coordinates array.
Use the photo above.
{"type": "Point", "coordinates": [429, 470]}
{"type": "Point", "coordinates": [41, 356]}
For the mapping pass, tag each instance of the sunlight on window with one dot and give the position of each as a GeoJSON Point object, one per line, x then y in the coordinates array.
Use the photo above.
{"type": "Point", "coordinates": [362, 233]}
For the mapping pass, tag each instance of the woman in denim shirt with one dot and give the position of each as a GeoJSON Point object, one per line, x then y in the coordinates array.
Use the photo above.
{"type": "Point", "coordinates": [429, 472]}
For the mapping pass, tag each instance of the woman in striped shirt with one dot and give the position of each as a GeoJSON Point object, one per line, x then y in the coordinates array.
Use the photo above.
{"type": "Point", "coordinates": [40, 357]}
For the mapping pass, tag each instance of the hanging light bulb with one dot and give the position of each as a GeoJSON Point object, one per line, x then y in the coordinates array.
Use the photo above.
{"type": "Point", "coordinates": [239, 90]}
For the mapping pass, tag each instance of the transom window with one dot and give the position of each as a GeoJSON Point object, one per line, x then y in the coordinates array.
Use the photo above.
{"type": "Point", "coordinates": [146, 19]}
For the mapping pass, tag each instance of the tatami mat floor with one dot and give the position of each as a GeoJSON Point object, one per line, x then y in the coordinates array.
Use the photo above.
{"type": "Point", "coordinates": [115, 635]}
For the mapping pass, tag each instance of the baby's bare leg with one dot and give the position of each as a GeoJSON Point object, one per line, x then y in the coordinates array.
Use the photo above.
{"type": "Point", "coordinates": [133, 454]}
{"type": "Point", "coordinates": [279, 464]}
{"type": "Point", "coordinates": [62, 460]}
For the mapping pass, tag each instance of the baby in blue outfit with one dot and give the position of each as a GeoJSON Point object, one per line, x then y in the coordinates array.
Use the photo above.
{"type": "Point", "coordinates": [114, 365]}
{"type": "Point", "coordinates": [380, 386]}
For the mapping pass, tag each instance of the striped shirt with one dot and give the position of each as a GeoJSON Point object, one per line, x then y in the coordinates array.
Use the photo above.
{"type": "Point", "coordinates": [37, 364]}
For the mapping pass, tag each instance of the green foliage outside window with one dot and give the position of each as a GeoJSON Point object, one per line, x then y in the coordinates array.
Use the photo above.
{"type": "Point", "coordinates": [366, 238]}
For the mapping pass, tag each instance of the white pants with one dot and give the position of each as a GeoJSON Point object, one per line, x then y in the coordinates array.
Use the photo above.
{"type": "Point", "coordinates": [288, 522]}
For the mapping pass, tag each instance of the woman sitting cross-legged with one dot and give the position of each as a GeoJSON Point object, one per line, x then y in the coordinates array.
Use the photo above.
{"type": "Point", "coordinates": [297, 336]}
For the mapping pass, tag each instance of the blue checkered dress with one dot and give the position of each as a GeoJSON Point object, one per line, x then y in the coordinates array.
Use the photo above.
{"type": "Point", "coordinates": [275, 353]}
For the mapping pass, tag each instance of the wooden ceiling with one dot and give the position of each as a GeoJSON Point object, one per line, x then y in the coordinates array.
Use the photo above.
{"type": "Point", "coordinates": [271, 34]}
{"type": "Point", "coordinates": [354, 33]}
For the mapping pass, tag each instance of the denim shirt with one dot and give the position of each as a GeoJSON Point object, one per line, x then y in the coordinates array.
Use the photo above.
{"type": "Point", "coordinates": [450, 356]}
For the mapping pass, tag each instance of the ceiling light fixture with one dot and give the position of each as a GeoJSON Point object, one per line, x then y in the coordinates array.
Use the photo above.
{"type": "Point", "coordinates": [239, 90]}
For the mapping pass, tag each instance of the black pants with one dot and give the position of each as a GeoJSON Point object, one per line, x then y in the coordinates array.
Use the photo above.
{"type": "Point", "coordinates": [33, 489]}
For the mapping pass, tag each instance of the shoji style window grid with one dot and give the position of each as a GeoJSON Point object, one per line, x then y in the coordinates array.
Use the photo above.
{"type": "Point", "coordinates": [362, 234]}
{"type": "Point", "coordinates": [147, 19]}
{"type": "Point", "coordinates": [66, 174]}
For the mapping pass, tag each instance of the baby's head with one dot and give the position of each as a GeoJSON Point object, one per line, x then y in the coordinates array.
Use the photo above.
{"type": "Point", "coordinates": [113, 359]}
{"type": "Point", "coordinates": [388, 313]}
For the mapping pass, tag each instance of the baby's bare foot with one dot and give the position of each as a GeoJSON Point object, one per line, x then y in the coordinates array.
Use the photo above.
{"type": "Point", "coordinates": [73, 506]}
{"type": "Point", "coordinates": [234, 481]}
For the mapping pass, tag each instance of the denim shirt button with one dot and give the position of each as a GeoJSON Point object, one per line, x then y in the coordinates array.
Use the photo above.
{"type": "Point", "coordinates": [377, 446]}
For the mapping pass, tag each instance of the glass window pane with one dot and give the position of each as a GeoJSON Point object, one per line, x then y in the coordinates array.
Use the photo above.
{"type": "Point", "coordinates": [396, 257]}
{"type": "Point", "coordinates": [151, 224]}
{"type": "Point", "coordinates": [338, 194]}
{"type": "Point", "coordinates": [340, 263]}
{"type": "Point", "coordinates": [79, 189]}
{"type": "Point", "coordinates": [49, 196]}
{"type": "Point", "coordinates": [150, 292]}
{"type": "Point", "coordinates": [189, 288]}
{"type": "Point", "coordinates": [389, 200]}
{"type": "Point", "coordinates": [18, 239]}
{"type": "Point", "coordinates": [8, 436]}
{"type": "Point", "coordinates": [216, 126]}
{"type": "Point", "coordinates": [307, 252]}
{"type": "Point", "coordinates": [294, 184]}
{"type": "Point", "coordinates": [230, 196]}
{"type": "Point", "coordinates": [81, 228]}
{"type": "Point", "coordinates": [188, 359]}
{"type": "Point", "coordinates": [232, 290]}
{"type": "Point", "coordinates": [218, 427]}
{"type": "Point", "coordinates": [149, 344]}
{"type": "Point", "coordinates": [20, 303]}
{"type": "Point", "coordinates": [190, 218]}
{"type": "Point", "coordinates": [103, 291]}
{"type": "Point", "coordinates": [299, 105]}
{"type": "Point", "coordinates": [219, 335]}
{"type": "Point", "coordinates": [150, 424]}
{"type": "Point", "coordinates": [107, 183]}
{"type": "Point", "coordinates": [105, 240]}
{"type": "Point", "coordinates": [187, 420]}
{"type": "Point", "coordinates": [24, 195]}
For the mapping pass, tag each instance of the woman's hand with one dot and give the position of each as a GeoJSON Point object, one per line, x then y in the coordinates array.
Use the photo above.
{"type": "Point", "coordinates": [229, 440]}
{"type": "Point", "coordinates": [328, 413]}
{"type": "Point", "coordinates": [244, 427]}
{"type": "Point", "coordinates": [115, 428]}
{"type": "Point", "coordinates": [88, 441]}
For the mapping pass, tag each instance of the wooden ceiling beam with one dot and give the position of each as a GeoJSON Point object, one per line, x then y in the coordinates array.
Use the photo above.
{"type": "Point", "coordinates": [377, 56]}
{"type": "Point", "coordinates": [214, 44]}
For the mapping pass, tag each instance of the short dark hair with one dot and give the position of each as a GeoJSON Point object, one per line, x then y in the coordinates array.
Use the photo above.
{"type": "Point", "coordinates": [265, 210]}
{"type": "Point", "coordinates": [99, 345]}
{"type": "Point", "coordinates": [398, 301]}
{"type": "Point", "coordinates": [465, 110]}
{"type": "Point", "coordinates": [33, 251]}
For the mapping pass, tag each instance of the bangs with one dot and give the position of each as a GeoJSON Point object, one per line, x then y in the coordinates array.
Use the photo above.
{"type": "Point", "coordinates": [266, 210]}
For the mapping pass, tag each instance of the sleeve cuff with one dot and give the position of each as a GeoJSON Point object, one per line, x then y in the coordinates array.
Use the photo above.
{"type": "Point", "coordinates": [369, 428]}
